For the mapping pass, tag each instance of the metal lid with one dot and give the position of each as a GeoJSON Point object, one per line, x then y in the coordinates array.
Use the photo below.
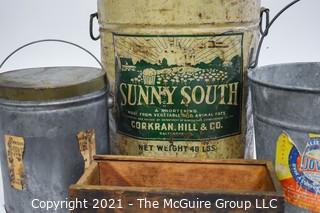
{"type": "Point", "coordinates": [51, 83]}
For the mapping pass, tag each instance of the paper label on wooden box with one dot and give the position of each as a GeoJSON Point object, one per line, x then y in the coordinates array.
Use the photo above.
{"type": "Point", "coordinates": [298, 173]}
{"type": "Point", "coordinates": [15, 149]}
{"type": "Point", "coordinates": [87, 146]}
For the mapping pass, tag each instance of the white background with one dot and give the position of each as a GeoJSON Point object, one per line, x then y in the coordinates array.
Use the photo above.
{"type": "Point", "coordinates": [295, 36]}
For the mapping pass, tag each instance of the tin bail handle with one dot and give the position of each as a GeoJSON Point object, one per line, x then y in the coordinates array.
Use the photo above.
{"type": "Point", "coordinates": [110, 99]}
{"type": "Point", "coordinates": [265, 12]}
{"type": "Point", "coordinates": [51, 40]}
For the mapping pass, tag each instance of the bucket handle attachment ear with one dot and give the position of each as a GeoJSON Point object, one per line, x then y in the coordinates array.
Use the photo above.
{"type": "Point", "coordinates": [92, 17]}
{"type": "Point", "coordinates": [264, 30]}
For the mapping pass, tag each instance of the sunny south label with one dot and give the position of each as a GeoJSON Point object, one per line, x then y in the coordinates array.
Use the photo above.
{"type": "Point", "coordinates": [179, 87]}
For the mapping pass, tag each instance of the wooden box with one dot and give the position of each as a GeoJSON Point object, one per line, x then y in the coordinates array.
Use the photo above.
{"type": "Point", "coordinates": [135, 184]}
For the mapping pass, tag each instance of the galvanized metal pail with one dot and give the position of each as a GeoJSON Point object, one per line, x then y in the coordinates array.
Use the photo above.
{"type": "Point", "coordinates": [178, 70]}
{"type": "Point", "coordinates": [286, 100]}
{"type": "Point", "coordinates": [52, 121]}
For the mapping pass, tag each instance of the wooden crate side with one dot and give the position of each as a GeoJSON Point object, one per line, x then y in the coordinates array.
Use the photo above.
{"type": "Point", "coordinates": [274, 178]}
{"type": "Point", "coordinates": [177, 175]}
{"type": "Point", "coordinates": [103, 158]}
{"type": "Point", "coordinates": [130, 203]}
{"type": "Point", "coordinates": [91, 175]}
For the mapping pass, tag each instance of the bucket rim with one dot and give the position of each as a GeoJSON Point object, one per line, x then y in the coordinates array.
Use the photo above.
{"type": "Point", "coordinates": [278, 86]}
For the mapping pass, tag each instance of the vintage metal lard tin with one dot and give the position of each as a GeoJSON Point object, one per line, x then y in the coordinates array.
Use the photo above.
{"type": "Point", "coordinates": [286, 101]}
{"type": "Point", "coordinates": [52, 121]}
{"type": "Point", "coordinates": [180, 75]}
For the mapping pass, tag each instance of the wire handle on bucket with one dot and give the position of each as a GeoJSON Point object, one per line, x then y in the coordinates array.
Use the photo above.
{"type": "Point", "coordinates": [51, 40]}
{"type": "Point", "coordinates": [110, 97]}
{"type": "Point", "coordinates": [265, 12]}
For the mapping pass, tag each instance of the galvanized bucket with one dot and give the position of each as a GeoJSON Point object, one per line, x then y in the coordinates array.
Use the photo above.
{"type": "Point", "coordinates": [286, 100]}
{"type": "Point", "coordinates": [178, 70]}
{"type": "Point", "coordinates": [52, 121]}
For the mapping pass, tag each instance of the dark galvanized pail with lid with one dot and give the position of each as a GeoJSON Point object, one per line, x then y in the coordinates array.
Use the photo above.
{"type": "Point", "coordinates": [52, 121]}
{"type": "Point", "coordinates": [286, 101]}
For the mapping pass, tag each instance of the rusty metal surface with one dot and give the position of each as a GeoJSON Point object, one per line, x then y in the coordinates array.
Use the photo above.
{"type": "Point", "coordinates": [178, 12]}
